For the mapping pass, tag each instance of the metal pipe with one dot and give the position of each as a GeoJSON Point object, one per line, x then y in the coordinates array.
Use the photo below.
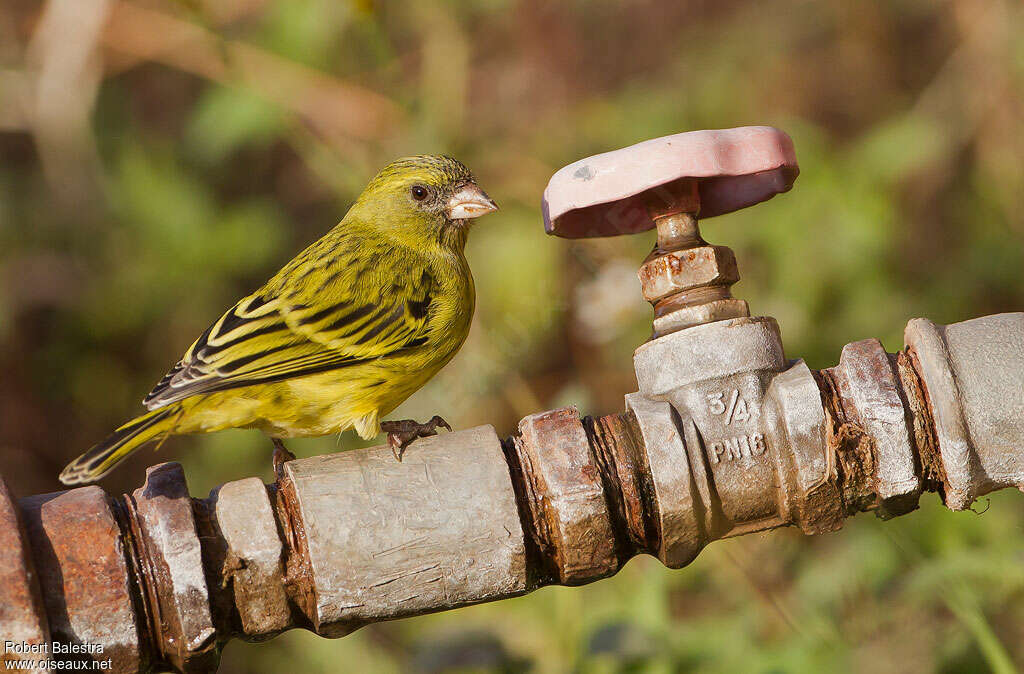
{"type": "Point", "coordinates": [725, 437]}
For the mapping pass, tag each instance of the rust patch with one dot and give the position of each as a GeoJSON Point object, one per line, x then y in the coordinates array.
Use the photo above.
{"type": "Point", "coordinates": [933, 475]}
{"type": "Point", "coordinates": [218, 583]}
{"type": "Point", "coordinates": [78, 550]}
{"type": "Point", "coordinates": [568, 502]}
{"type": "Point", "coordinates": [539, 566]}
{"type": "Point", "coordinates": [852, 449]}
{"type": "Point", "coordinates": [614, 447]}
{"type": "Point", "coordinates": [23, 617]}
{"type": "Point", "coordinates": [140, 581]}
{"type": "Point", "coordinates": [689, 298]}
{"type": "Point", "coordinates": [170, 551]}
{"type": "Point", "coordinates": [531, 510]}
{"type": "Point", "coordinates": [298, 570]}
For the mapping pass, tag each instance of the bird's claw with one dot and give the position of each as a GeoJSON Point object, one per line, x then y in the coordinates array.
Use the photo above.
{"type": "Point", "coordinates": [402, 433]}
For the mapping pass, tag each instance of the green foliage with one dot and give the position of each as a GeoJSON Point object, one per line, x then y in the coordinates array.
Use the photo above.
{"type": "Point", "coordinates": [225, 120]}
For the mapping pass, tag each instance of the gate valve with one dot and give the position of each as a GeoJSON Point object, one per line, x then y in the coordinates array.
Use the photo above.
{"type": "Point", "coordinates": [716, 393]}
{"type": "Point", "coordinates": [666, 183]}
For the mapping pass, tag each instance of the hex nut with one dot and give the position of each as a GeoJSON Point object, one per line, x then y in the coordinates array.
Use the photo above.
{"type": "Point", "coordinates": [573, 515]}
{"type": "Point", "coordinates": [83, 573]}
{"type": "Point", "coordinates": [680, 270]}
{"type": "Point", "coordinates": [680, 531]}
{"type": "Point", "coordinates": [869, 388]}
{"type": "Point", "coordinates": [812, 498]}
{"type": "Point", "coordinates": [22, 616]}
{"type": "Point", "coordinates": [253, 557]}
{"type": "Point", "coordinates": [173, 559]}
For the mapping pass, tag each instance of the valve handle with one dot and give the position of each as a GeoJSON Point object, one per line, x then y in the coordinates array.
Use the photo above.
{"type": "Point", "coordinates": [666, 183]}
{"type": "Point", "coordinates": [624, 191]}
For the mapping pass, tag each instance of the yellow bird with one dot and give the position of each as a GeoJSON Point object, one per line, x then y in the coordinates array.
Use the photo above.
{"type": "Point", "coordinates": [340, 336]}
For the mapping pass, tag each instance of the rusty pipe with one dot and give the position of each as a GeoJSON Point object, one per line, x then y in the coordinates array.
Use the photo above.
{"type": "Point", "coordinates": [725, 437]}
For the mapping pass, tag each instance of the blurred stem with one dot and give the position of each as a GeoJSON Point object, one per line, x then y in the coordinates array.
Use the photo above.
{"type": "Point", "coordinates": [967, 611]}
{"type": "Point", "coordinates": [958, 600]}
{"type": "Point", "coordinates": [67, 70]}
{"type": "Point", "coordinates": [767, 597]}
{"type": "Point", "coordinates": [444, 73]}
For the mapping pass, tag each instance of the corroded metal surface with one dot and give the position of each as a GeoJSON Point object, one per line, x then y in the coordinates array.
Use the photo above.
{"type": "Point", "coordinates": [253, 556]}
{"type": "Point", "coordinates": [708, 352]}
{"type": "Point", "coordinates": [679, 528]}
{"type": "Point", "coordinates": [618, 450]}
{"type": "Point", "coordinates": [84, 578]}
{"type": "Point", "coordinates": [22, 617]}
{"type": "Point", "coordinates": [715, 376]}
{"type": "Point", "coordinates": [172, 565]}
{"type": "Point", "coordinates": [805, 466]}
{"type": "Point", "coordinates": [869, 392]}
{"type": "Point", "coordinates": [687, 268]}
{"type": "Point", "coordinates": [677, 316]}
{"type": "Point", "coordinates": [567, 496]}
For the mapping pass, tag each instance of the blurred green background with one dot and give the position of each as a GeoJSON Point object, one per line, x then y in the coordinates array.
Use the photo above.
{"type": "Point", "coordinates": [159, 159]}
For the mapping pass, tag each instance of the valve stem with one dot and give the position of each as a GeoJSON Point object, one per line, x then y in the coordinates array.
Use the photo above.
{"type": "Point", "coordinates": [686, 280]}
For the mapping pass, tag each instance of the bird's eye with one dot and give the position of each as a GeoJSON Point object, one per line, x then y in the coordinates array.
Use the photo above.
{"type": "Point", "coordinates": [419, 192]}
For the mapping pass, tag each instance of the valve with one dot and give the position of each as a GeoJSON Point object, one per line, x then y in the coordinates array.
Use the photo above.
{"type": "Point", "coordinates": [667, 183]}
{"type": "Point", "coordinates": [734, 432]}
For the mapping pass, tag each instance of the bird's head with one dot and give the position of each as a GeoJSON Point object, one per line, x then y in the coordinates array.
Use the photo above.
{"type": "Point", "coordinates": [424, 200]}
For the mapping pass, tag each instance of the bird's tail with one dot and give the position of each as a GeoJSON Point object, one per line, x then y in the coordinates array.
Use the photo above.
{"type": "Point", "coordinates": [99, 460]}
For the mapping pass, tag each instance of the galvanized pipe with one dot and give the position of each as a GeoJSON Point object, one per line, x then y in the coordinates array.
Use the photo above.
{"type": "Point", "coordinates": [725, 437]}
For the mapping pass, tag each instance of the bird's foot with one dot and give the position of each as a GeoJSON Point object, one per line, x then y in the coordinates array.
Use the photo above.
{"type": "Point", "coordinates": [281, 456]}
{"type": "Point", "coordinates": [402, 433]}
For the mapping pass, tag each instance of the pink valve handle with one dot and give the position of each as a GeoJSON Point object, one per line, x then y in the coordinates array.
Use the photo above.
{"type": "Point", "coordinates": [621, 192]}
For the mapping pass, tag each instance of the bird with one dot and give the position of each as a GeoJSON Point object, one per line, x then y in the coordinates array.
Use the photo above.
{"type": "Point", "coordinates": [340, 336]}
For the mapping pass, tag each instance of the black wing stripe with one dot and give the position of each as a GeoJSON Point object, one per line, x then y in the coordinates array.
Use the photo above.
{"type": "Point", "coordinates": [322, 314]}
{"type": "Point", "coordinates": [237, 383]}
{"type": "Point", "coordinates": [200, 343]}
{"type": "Point", "coordinates": [269, 339]}
{"type": "Point", "coordinates": [349, 318]}
{"type": "Point", "coordinates": [252, 358]}
{"type": "Point", "coordinates": [255, 303]}
{"type": "Point", "coordinates": [214, 349]}
{"type": "Point", "coordinates": [288, 374]}
{"type": "Point", "coordinates": [285, 369]}
{"type": "Point", "coordinates": [231, 322]}
{"type": "Point", "coordinates": [418, 310]}
{"type": "Point", "coordinates": [385, 322]}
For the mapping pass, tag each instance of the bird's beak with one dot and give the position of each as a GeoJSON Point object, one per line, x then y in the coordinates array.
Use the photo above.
{"type": "Point", "coordinates": [469, 202]}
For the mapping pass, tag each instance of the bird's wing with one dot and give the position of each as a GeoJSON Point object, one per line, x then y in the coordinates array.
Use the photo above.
{"type": "Point", "coordinates": [308, 319]}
